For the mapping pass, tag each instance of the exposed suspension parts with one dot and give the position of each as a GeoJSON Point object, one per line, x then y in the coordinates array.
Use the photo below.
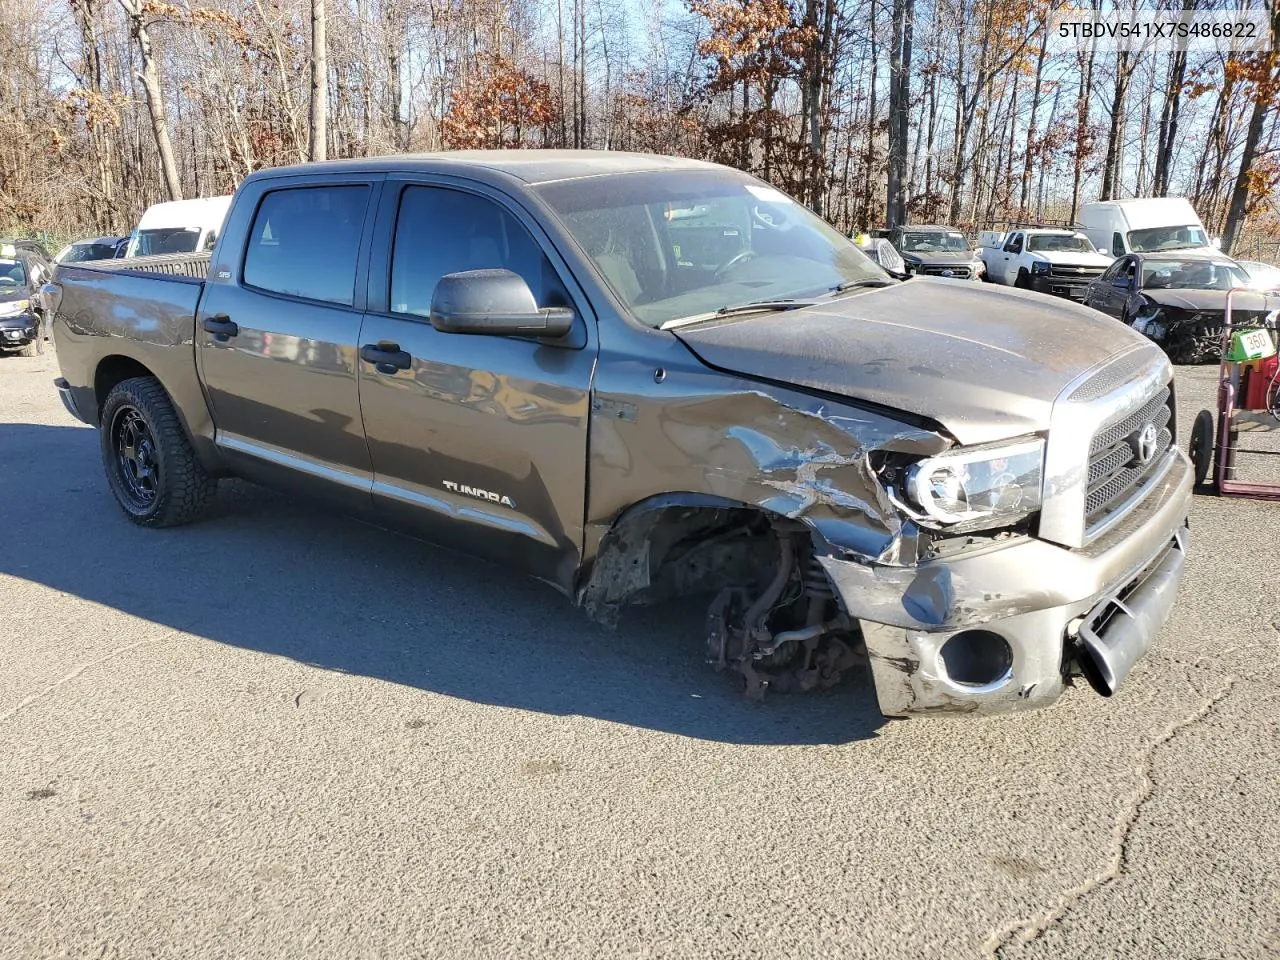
{"type": "Point", "coordinates": [791, 636]}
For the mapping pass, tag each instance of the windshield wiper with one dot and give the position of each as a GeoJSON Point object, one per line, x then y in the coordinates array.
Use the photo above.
{"type": "Point", "coordinates": [864, 282]}
{"type": "Point", "coordinates": [729, 310]}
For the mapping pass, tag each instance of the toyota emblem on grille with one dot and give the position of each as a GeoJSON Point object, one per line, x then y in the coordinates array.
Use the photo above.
{"type": "Point", "coordinates": [1143, 442]}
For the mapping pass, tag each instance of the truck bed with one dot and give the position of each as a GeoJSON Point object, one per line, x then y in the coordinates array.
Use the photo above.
{"type": "Point", "coordinates": [138, 310]}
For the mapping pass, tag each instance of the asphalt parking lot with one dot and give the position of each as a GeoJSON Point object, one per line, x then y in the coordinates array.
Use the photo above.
{"type": "Point", "coordinates": [281, 733]}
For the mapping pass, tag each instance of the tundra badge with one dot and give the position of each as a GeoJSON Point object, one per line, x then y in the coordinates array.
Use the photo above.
{"type": "Point", "coordinates": [479, 494]}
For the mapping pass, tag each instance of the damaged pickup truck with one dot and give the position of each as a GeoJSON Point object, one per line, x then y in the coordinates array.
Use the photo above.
{"type": "Point", "coordinates": [637, 377]}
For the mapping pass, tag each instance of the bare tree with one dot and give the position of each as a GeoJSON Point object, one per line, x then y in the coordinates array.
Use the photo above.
{"type": "Point", "coordinates": [1168, 135]}
{"type": "Point", "coordinates": [1082, 141]}
{"type": "Point", "coordinates": [110, 105]}
{"type": "Point", "coordinates": [899, 100]}
{"type": "Point", "coordinates": [319, 83]}
{"type": "Point", "coordinates": [1263, 71]}
{"type": "Point", "coordinates": [150, 78]}
{"type": "Point", "coordinates": [1024, 193]}
{"type": "Point", "coordinates": [1120, 95]}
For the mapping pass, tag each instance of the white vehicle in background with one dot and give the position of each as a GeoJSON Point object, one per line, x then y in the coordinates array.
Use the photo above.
{"type": "Point", "coordinates": [1144, 225]}
{"type": "Point", "coordinates": [882, 252]}
{"type": "Point", "coordinates": [1053, 260]}
{"type": "Point", "coordinates": [179, 226]}
{"type": "Point", "coordinates": [1262, 276]}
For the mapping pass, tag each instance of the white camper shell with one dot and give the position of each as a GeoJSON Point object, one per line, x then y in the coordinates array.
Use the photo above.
{"type": "Point", "coordinates": [1143, 225]}
{"type": "Point", "coordinates": [179, 226]}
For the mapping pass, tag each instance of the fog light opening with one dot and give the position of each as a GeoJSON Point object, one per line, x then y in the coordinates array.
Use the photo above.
{"type": "Point", "coordinates": [976, 658]}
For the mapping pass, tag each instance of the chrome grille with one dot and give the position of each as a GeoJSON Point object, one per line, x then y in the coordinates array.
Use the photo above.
{"type": "Point", "coordinates": [1115, 478]}
{"type": "Point", "coordinates": [957, 272]}
{"type": "Point", "coordinates": [1074, 273]}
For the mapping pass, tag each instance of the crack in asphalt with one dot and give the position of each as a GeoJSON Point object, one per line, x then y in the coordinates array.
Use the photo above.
{"type": "Point", "coordinates": [1030, 929]}
{"type": "Point", "coordinates": [81, 668]}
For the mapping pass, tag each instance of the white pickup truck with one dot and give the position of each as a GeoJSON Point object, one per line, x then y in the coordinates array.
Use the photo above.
{"type": "Point", "coordinates": [1051, 260]}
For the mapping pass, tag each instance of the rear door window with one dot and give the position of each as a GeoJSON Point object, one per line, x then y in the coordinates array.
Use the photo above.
{"type": "Point", "coordinates": [305, 242]}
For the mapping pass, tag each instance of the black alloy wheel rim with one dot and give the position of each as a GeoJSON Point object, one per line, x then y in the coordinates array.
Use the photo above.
{"type": "Point", "coordinates": [136, 459]}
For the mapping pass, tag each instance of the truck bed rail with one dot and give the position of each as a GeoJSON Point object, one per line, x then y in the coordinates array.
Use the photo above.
{"type": "Point", "coordinates": [187, 266]}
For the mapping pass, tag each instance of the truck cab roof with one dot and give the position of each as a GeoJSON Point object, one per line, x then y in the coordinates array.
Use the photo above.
{"type": "Point", "coordinates": [529, 166]}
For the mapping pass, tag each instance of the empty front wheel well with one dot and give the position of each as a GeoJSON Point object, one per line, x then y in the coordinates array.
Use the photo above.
{"type": "Point", "coordinates": [772, 615]}
{"type": "Point", "coordinates": [676, 546]}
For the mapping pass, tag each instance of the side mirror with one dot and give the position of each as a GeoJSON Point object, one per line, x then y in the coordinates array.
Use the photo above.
{"type": "Point", "coordinates": [497, 303]}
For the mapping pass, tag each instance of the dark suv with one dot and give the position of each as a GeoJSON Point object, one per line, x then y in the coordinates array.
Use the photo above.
{"type": "Point", "coordinates": [936, 251]}
{"type": "Point", "coordinates": [21, 316]}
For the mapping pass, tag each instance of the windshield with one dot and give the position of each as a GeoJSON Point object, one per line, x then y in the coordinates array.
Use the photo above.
{"type": "Point", "coordinates": [1166, 238]}
{"type": "Point", "coordinates": [1192, 275]}
{"type": "Point", "coordinates": [12, 273]}
{"type": "Point", "coordinates": [682, 243]}
{"type": "Point", "coordinates": [1059, 242]}
{"type": "Point", "coordinates": [934, 242]}
{"type": "Point", "coordinates": [145, 243]}
{"type": "Point", "coordinates": [79, 252]}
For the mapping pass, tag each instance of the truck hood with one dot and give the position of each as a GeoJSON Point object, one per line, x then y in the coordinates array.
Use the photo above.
{"type": "Point", "coordinates": [1067, 258]}
{"type": "Point", "coordinates": [1203, 301]}
{"type": "Point", "coordinates": [984, 362]}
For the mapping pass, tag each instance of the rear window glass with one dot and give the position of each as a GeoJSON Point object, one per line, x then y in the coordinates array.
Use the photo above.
{"type": "Point", "coordinates": [305, 242]}
{"type": "Point", "coordinates": [80, 252]}
{"type": "Point", "coordinates": [150, 243]}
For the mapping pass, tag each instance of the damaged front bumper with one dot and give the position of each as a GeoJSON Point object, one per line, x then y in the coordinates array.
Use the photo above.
{"type": "Point", "coordinates": [1002, 627]}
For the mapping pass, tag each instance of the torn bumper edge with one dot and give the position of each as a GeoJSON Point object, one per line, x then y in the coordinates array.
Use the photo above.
{"type": "Point", "coordinates": [1110, 598]}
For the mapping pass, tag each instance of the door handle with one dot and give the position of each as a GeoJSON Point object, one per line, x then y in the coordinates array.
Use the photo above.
{"type": "Point", "coordinates": [221, 326]}
{"type": "Point", "coordinates": [386, 357]}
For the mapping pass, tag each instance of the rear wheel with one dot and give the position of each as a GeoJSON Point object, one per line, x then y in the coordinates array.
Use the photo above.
{"type": "Point", "coordinates": [1201, 446]}
{"type": "Point", "coordinates": [150, 466]}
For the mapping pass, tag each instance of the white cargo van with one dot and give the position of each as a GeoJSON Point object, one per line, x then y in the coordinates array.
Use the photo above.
{"type": "Point", "coordinates": [1143, 225]}
{"type": "Point", "coordinates": [179, 226]}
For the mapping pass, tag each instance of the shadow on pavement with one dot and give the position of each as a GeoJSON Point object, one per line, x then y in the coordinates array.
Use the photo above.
{"type": "Point", "coordinates": [266, 573]}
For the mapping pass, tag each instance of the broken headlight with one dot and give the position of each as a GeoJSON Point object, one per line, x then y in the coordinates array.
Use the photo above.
{"type": "Point", "coordinates": [1149, 321]}
{"type": "Point", "coordinates": [973, 488]}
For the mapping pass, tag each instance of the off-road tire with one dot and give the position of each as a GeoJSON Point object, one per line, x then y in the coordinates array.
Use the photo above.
{"type": "Point", "coordinates": [181, 490]}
